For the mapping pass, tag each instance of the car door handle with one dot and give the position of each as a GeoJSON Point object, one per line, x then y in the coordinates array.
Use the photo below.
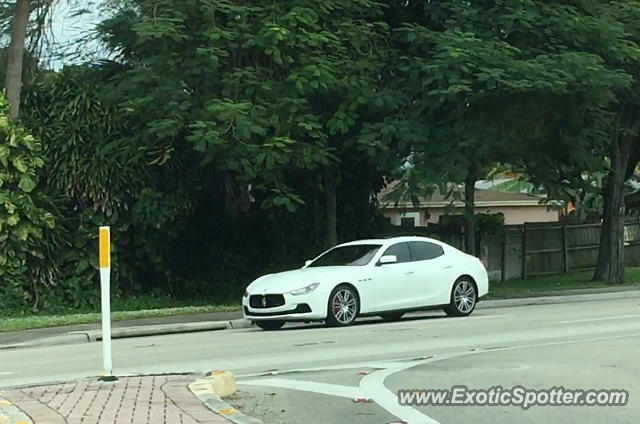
{"type": "Point", "coordinates": [409, 272]}
{"type": "Point", "coordinates": [447, 266]}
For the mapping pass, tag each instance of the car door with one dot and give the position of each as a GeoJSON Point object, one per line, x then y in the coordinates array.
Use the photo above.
{"type": "Point", "coordinates": [433, 273]}
{"type": "Point", "coordinates": [393, 281]}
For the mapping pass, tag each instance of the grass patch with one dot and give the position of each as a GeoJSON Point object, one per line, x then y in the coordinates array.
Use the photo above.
{"type": "Point", "coordinates": [41, 321]}
{"type": "Point", "coordinates": [538, 286]}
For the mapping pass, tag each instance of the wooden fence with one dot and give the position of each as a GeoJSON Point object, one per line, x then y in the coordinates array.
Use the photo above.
{"type": "Point", "coordinates": [551, 249]}
{"type": "Point", "coordinates": [522, 251]}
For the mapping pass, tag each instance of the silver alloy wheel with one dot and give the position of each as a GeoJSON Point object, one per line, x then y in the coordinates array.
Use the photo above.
{"type": "Point", "coordinates": [343, 306]}
{"type": "Point", "coordinates": [464, 296]}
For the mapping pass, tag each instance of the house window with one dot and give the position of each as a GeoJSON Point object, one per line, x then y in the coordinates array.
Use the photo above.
{"type": "Point", "coordinates": [408, 222]}
{"type": "Point", "coordinates": [410, 219]}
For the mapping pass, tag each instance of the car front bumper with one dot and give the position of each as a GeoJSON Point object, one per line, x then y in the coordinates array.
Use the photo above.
{"type": "Point", "coordinates": [308, 307]}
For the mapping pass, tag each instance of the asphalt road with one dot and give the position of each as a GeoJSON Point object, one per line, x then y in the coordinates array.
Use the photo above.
{"type": "Point", "coordinates": [311, 374]}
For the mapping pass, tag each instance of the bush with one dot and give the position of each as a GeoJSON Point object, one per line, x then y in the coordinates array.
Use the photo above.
{"type": "Point", "coordinates": [24, 269]}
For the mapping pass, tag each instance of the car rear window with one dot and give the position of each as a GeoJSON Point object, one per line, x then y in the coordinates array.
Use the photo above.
{"type": "Point", "coordinates": [423, 250]}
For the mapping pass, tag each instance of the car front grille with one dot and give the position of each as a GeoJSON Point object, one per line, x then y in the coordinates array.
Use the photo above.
{"type": "Point", "coordinates": [303, 308]}
{"type": "Point", "coordinates": [266, 301]}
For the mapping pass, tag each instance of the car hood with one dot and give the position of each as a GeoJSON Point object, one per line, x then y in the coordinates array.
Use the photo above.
{"type": "Point", "coordinates": [283, 282]}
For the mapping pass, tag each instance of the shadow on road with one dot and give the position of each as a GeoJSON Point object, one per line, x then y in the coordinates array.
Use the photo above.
{"type": "Point", "coordinates": [364, 321]}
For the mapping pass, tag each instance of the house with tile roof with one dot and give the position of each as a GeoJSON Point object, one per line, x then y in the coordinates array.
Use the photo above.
{"type": "Point", "coordinates": [517, 208]}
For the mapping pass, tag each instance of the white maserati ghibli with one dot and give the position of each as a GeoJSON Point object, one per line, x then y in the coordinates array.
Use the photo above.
{"type": "Point", "coordinates": [385, 277]}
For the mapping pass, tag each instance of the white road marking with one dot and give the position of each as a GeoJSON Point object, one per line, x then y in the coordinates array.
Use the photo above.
{"type": "Point", "coordinates": [374, 388]}
{"type": "Point", "coordinates": [372, 385]}
{"type": "Point", "coordinates": [359, 365]}
{"type": "Point", "coordinates": [600, 319]}
{"type": "Point", "coordinates": [307, 386]}
{"type": "Point", "coordinates": [6, 373]}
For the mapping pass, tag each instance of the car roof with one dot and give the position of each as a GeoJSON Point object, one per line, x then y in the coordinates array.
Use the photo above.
{"type": "Point", "coordinates": [392, 240]}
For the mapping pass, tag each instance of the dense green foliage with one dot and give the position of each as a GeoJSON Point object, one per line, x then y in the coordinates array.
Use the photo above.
{"type": "Point", "coordinates": [202, 143]}
{"type": "Point", "coordinates": [217, 135]}
{"type": "Point", "coordinates": [24, 224]}
{"type": "Point", "coordinates": [96, 176]}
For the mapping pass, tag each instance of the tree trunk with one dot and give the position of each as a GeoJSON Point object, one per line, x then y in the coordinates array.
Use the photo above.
{"type": "Point", "coordinates": [16, 54]}
{"type": "Point", "coordinates": [331, 238]}
{"type": "Point", "coordinates": [610, 266]}
{"type": "Point", "coordinates": [469, 210]}
{"type": "Point", "coordinates": [632, 200]}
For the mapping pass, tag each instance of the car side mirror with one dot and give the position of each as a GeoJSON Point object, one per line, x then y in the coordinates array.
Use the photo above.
{"type": "Point", "coordinates": [388, 259]}
{"type": "Point", "coordinates": [307, 262]}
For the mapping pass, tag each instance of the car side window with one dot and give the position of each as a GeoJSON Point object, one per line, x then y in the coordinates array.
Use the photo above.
{"type": "Point", "coordinates": [423, 250]}
{"type": "Point", "coordinates": [400, 250]}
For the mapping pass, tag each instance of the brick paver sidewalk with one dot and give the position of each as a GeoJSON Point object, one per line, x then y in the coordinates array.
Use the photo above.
{"type": "Point", "coordinates": [130, 400]}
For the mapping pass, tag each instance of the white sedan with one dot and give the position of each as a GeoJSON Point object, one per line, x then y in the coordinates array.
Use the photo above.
{"type": "Point", "coordinates": [385, 277]}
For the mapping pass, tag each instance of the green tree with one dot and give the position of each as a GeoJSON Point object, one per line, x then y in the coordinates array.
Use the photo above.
{"type": "Point", "coordinates": [265, 91]}
{"type": "Point", "coordinates": [597, 130]}
{"type": "Point", "coordinates": [492, 81]}
{"type": "Point", "coordinates": [624, 145]}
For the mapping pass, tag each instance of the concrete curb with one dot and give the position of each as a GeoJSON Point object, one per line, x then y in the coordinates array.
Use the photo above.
{"type": "Point", "coordinates": [550, 300]}
{"type": "Point", "coordinates": [209, 390]}
{"type": "Point", "coordinates": [64, 339]}
{"type": "Point", "coordinates": [155, 330]}
{"type": "Point", "coordinates": [239, 323]}
{"type": "Point", "coordinates": [75, 337]}
{"type": "Point", "coordinates": [10, 414]}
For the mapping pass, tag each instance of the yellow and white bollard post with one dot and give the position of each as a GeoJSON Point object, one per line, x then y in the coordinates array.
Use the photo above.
{"type": "Point", "coordinates": [105, 288]}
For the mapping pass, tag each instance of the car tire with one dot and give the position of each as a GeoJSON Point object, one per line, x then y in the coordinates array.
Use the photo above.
{"type": "Point", "coordinates": [392, 316]}
{"type": "Point", "coordinates": [343, 306]}
{"type": "Point", "coordinates": [270, 325]}
{"type": "Point", "coordinates": [464, 297]}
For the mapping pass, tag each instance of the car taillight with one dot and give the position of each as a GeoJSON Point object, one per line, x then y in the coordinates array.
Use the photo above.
{"type": "Point", "coordinates": [483, 262]}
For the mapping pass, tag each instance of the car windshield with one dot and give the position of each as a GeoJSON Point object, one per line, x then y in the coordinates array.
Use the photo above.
{"type": "Point", "coordinates": [354, 255]}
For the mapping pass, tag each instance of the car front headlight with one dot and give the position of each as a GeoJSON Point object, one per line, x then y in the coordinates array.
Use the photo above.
{"type": "Point", "coordinates": [246, 293]}
{"type": "Point", "coordinates": [305, 290]}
